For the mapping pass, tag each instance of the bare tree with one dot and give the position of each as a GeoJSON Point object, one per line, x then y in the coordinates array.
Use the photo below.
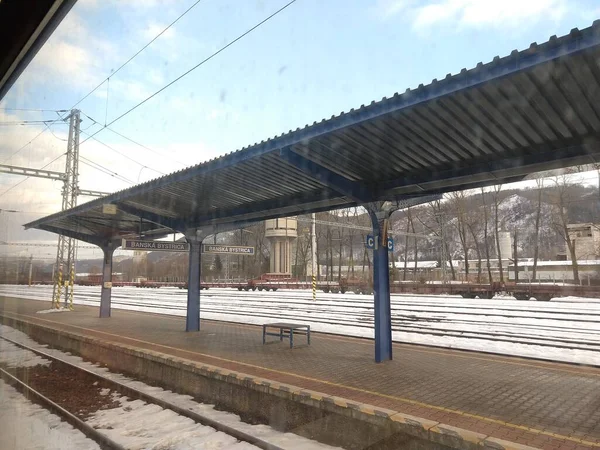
{"type": "Point", "coordinates": [322, 244]}
{"type": "Point", "coordinates": [561, 196]}
{"type": "Point", "coordinates": [366, 260]}
{"type": "Point", "coordinates": [340, 251]}
{"type": "Point", "coordinates": [485, 235]}
{"type": "Point", "coordinates": [473, 221]}
{"type": "Point", "coordinates": [497, 202]}
{"type": "Point", "coordinates": [416, 249]}
{"type": "Point", "coordinates": [303, 247]}
{"type": "Point", "coordinates": [262, 253]}
{"type": "Point", "coordinates": [408, 225]}
{"type": "Point", "coordinates": [515, 255]}
{"type": "Point", "coordinates": [435, 225]}
{"type": "Point", "coordinates": [538, 214]}
{"type": "Point", "coordinates": [351, 236]}
{"type": "Point", "coordinates": [458, 206]}
{"type": "Point", "coordinates": [329, 235]}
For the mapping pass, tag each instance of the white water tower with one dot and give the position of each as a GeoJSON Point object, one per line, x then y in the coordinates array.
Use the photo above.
{"type": "Point", "coordinates": [505, 241]}
{"type": "Point", "coordinates": [281, 233]}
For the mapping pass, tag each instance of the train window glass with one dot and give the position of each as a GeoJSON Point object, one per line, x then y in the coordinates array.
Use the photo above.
{"type": "Point", "coordinates": [299, 224]}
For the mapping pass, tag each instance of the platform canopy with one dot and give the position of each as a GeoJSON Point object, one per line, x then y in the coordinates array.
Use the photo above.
{"type": "Point", "coordinates": [534, 110]}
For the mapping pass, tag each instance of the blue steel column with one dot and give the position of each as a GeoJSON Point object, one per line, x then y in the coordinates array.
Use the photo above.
{"type": "Point", "coordinates": [381, 288]}
{"type": "Point", "coordinates": [105, 294]}
{"type": "Point", "coordinates": [192, 321]}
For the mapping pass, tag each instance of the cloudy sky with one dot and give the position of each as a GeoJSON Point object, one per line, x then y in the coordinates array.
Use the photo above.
{"type": "Point", "coordinates": [315, 59]}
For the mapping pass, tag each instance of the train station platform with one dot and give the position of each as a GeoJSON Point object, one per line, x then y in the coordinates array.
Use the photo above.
{"type": "Point", "coordinates": [499, 400]}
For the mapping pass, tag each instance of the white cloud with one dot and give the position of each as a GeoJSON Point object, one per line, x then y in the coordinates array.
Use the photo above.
{"type": "Point", "coordinates": [474, 13]}
{"type": "Point", "coordinates": [33, 194]}
{"type": "Point", "coordinates": [388, 8]}
{"type": "Point", "coordinates": [85, 58]}
{"type": "Point", "coordinates": [130, 90]}
{"type": "Point", "coordinates": [72, 53]}
{"type": "Point", "coordinates": [153, 29]}
{"type": "Point", "coordinates": [39, 197]}
{"type": "Point", "coordinates": [76, 58]}
{"type": "Point", "coordinates": [62, 57]}
{"type": "Point", "coordinates": [148, 4]}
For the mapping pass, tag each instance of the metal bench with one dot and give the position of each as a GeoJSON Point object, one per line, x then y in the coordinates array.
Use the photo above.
{"type": "Point", "coordinates": [287, 331]}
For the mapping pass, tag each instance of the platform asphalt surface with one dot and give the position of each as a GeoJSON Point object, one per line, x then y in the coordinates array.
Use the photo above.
{"type": "Point", "coordinates": [541, 404]}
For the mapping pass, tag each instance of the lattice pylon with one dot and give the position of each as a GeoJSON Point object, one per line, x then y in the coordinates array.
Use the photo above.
{"type": "Point", "coordinates": [65, 254]}
{"type": "Point", "coordinates": [58, 288]}
{"type": "Point", "coordinates": [71, 283]}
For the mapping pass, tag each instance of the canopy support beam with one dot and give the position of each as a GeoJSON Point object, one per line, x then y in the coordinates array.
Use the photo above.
{"type": "Point", "coordinates": [380, 214]}
{"type": "Point", "coordinates": [194, 237]}
{"type": "Point", "coordinates": [192, 318]}
{"type": "Point", "coordinates": [105, 294]}
{"type": "Point", "coordinates": [354, 190]}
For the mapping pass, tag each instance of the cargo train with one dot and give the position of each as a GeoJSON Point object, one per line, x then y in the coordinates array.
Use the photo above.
{"type": "Point", "coordinates": [521, 291]}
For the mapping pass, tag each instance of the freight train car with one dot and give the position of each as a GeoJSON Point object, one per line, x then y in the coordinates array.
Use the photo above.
{"type": "Point", "coordinates": [521, 291]}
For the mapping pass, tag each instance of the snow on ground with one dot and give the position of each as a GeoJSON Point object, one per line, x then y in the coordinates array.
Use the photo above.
{"type": "Point", "coordinates": [25, 425]}
{"type": "Point", "coordinates": [13, 356]}
{"type": "Point", "coordinates": [139, 425]}
{"type": "Point", "coordinates": [571, 298]}
{"type": "Point", "coordinates": [566, 329]}
{"type": "Point", "coordinates": [142, 429]}
{"type": "Point", "coordinates": [54, 310]}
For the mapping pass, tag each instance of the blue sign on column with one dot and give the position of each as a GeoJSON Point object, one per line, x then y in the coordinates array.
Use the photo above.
{"type": "Point", "coordinates": [370, 243]}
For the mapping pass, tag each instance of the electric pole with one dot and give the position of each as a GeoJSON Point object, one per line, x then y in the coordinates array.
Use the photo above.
{"type": "Point", "coordinates": [66, 252]}
{"type": "Point", "coordinates": [30, 268]}
{"type": "Point", "coordinates": [313, 245]}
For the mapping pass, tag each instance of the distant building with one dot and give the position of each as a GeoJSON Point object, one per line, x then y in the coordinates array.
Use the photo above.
{"type": "Point", "coordinates": [586, 237]}
{"type": "Point", "coordinates": [556, 271]}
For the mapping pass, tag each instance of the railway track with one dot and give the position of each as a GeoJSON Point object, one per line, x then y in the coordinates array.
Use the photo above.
{"type": "Point", "coordinates": [585, 315]}
{"type": "Point", "coordinates": [123, 389]}
{"type": "Point", "coordinates": [446, 321]}
{"type": "Point", "coordinates": [522, 334]}
{"type": "Point", "coordinates": [104, 442]}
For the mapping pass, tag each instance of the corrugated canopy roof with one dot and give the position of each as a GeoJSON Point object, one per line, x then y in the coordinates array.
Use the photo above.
{"type": "Point", "coordinates": [533, 110]}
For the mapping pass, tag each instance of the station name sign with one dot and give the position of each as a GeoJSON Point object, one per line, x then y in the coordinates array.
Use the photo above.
{"type": "Point", "coordinates": [155, 246]}
{"type": "Point", "coordinates": [228, 249]}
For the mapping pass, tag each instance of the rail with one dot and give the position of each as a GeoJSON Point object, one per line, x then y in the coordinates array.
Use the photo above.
{"type": "Point", "coordinates": [137, 394]}
{"type": "Point", "coordinates": [102, 440]}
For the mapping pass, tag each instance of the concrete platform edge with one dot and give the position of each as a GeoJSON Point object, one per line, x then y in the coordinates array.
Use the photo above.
{"type": "Point", "coordinates": [395, 421]}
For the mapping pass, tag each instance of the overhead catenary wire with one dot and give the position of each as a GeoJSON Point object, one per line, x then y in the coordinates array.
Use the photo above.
{"type": "Point", "coordinates": [123, 154]}
{"type": "Point", "coordinates": [106, 170]}
{"type": "Point", "coordinates": [103, 81]}
{"type": "Point", "coordinates": [52, 132]}
{"type": "Point", "coordinates": [204, 61]}
{"type": "Point", "coordinates": [29, 122]}
{"type": "Point", "coordinates": [133, 141]}
{"type": "Point", "coordinates": [34, 110]}
{"type": "Point", "coordinates": [156, 152]}
{"type": "Point", "coordinates": [113, 73]}
{"type": "Point", "coordinates": [220, 50]}
{"type": "Point", "coordinates": [46, 127]}
{"type": "Point", "coordinates": [107, 92]}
